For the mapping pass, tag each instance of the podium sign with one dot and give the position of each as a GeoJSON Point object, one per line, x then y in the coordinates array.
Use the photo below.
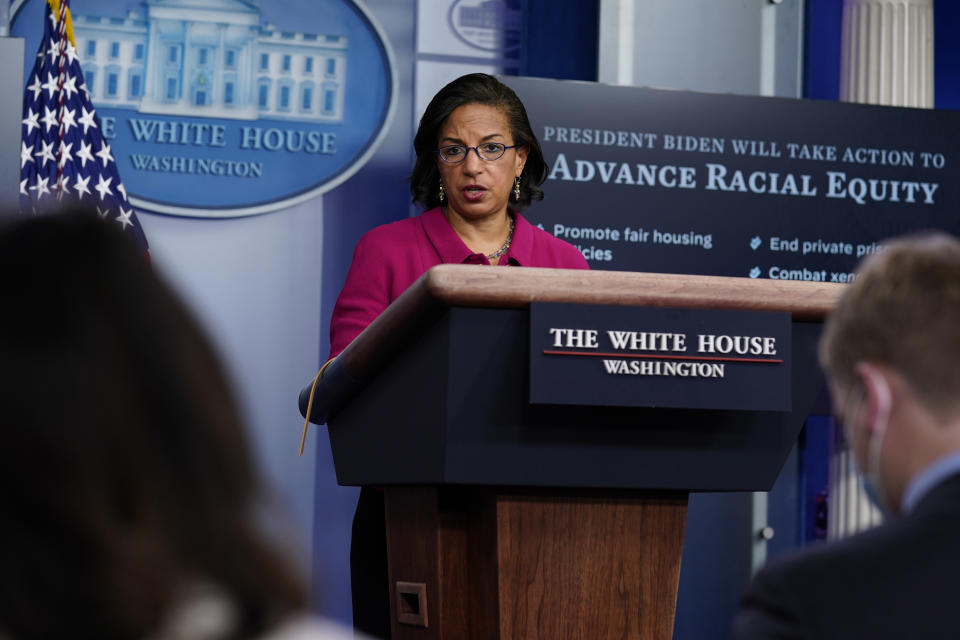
{"type": "Point", "coordinates": [659, 357]}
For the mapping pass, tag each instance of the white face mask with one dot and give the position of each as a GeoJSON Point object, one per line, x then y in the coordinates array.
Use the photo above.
{"type": "Point", "coordinates": [871, 475]}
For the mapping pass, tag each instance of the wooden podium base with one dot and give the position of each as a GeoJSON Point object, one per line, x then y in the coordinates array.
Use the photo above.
{"type": "Point", "coordinates": [475, 563]}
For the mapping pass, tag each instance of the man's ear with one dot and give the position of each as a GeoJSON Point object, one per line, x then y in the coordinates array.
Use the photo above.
{"type": "Point", "coordinates": [878, 396]}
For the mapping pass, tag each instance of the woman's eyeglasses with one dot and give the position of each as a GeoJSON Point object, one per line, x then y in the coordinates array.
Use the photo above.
{"type": "Point", "coordinates": [489, 151]}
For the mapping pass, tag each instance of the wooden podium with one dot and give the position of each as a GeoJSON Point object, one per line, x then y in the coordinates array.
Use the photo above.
{"type": "Point", "coordinates": [512, 520]}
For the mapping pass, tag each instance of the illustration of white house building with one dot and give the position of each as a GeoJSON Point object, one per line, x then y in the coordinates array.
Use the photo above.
{"type": "Point", "coordinates": [211, 58]}
{"type": "Point", "coordinates": [486, 15]}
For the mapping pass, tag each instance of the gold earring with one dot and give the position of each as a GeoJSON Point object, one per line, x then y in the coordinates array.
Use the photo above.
{"type": "Point", "coordinates": [516, 188]}
{"type": "Point", "coordinates": [442, 195]}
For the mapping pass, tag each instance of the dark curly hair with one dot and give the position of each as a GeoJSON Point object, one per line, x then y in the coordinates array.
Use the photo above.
{"type": "Point", "coordinates": [475, 88]}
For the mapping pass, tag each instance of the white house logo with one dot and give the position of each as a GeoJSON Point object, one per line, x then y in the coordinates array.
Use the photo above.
{"type": "Point", "coordinates": [489, 25]}
{"type": "Point", "coordinates": [223, 108]}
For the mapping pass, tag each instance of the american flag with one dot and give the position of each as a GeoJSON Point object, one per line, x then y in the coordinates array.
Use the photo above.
{"type": "Point", "coordinates": [63, 154]}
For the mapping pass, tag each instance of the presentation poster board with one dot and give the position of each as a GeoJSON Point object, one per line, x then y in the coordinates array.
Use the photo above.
{"type": "Point", "coordinates": [665, 181]}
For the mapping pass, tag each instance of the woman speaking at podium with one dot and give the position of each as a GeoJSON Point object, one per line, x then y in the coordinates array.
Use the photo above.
{"type": "Point", "coordinates": [478, 163]}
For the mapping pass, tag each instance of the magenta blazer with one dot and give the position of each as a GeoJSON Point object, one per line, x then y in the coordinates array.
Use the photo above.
{"type": "Point", "coordinates": [390, 258]}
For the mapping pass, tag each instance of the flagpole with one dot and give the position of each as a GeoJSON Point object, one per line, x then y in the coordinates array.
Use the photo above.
{"type": "Point", "coordinates": [61, 77]}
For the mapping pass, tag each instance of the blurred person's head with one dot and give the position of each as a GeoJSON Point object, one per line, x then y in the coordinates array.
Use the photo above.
{"type": "Point", "coordinates": [890, 351]}
{"type": "Point", "coordinates": [126, 474]}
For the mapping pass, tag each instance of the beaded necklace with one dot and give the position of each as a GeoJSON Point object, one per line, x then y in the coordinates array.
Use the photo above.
{"type": "Point", "coordinates": [506, 245]}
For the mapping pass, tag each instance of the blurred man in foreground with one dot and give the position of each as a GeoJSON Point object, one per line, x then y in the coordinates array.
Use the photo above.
{"type": "Point", "coordinates": [891, 352]}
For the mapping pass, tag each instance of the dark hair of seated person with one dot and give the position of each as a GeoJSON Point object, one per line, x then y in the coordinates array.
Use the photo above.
{"type": "Point", "coordinates": [125, 470]}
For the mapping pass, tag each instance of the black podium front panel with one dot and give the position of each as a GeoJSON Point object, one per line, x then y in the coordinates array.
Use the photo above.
{"type": "Point", "coordinates": [453, 409]}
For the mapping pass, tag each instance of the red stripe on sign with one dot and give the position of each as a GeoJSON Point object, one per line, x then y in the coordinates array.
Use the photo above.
{"type": "Point", "coordinates": [652, 356]}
